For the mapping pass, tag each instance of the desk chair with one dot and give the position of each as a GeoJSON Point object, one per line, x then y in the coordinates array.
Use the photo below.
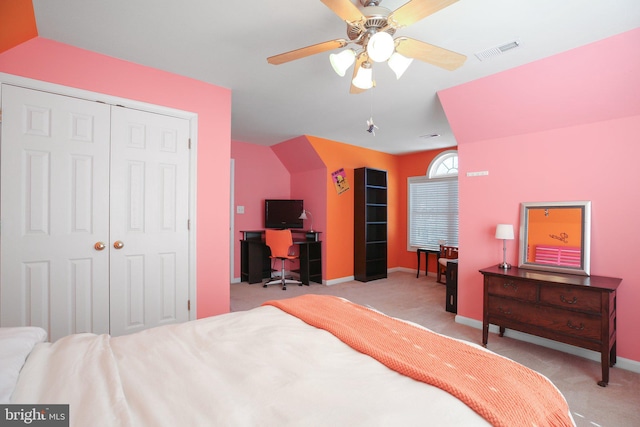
{"type": "Point", "coordinates": [280, 242]}
{"type": "Point", "coordinates": [446, 253]}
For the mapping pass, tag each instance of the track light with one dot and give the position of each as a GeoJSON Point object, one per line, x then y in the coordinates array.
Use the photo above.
{"type": "Point", "coordinates": [342, 61]}
{"type": "Point", "coordinates": [364, 78]}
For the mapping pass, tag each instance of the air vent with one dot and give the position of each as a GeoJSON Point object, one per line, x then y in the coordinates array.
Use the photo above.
{"type": "Point", "coordinates": [430, 135]}
{"type": "Point", "coordinates": [498, 50]}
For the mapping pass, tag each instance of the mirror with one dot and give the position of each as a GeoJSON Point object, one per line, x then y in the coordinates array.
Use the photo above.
{"type": "Point", "coordinates": [555, 236]}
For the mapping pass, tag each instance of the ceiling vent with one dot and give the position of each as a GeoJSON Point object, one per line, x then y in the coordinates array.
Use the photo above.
{"type": "Point", "coordinates": [498, 50]}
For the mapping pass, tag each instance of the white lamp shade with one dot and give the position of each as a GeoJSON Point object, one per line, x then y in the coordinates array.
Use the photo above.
{"type": "Point", "coordinates": [380, 46]}
{"type": "Point", "coordinates": [399, 64]}
{"type": "Point", "coordinates": [342, 61]}
{"type": "Point", "coordinates": [364, 78]}
{"type": "Point", "coordinates": [303, 215]}
{"type": "Point", "coordinates": [504, 231]}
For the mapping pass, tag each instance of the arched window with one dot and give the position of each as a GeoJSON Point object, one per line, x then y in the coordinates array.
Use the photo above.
{"type": "Point", "coordinates": [445, 164]}
{"type": "Point", "coordinates": [433, 204]}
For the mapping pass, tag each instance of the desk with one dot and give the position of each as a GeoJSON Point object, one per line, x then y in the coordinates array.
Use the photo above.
{"type": "Point", "coordinates": [451, 305]}
{"type": "Point", "coordinates": [255, 264]}
{"type": "Point", "coordinates": [426, 251]}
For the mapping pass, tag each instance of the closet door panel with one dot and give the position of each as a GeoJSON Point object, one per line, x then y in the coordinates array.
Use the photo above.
{"type": "Point", "coordinates": [54, 209]}
{"type": "Point", "coordinates": [134, 297]}
{"type": "Point", "coordinates": [149, 215]}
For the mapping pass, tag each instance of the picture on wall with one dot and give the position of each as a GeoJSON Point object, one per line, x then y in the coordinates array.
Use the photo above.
{"type": "Point", "coordinates": [340, 180]}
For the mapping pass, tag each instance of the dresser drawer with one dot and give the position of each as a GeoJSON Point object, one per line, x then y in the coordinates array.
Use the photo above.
{"type": "Point", "coordinates": [518, 311]}
{"type": "Point", "coordinates": [571, 297]}
{"type": "Point", "coordinates": [509, 287]}
{"type": "Point", "coordinates": [553, 319]}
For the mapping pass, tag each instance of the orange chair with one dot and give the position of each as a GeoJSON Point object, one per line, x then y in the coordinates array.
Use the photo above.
{"type": "Point", "coordinates": [280, 243]}
{"type": "Point", "coordinates": [446, 253]}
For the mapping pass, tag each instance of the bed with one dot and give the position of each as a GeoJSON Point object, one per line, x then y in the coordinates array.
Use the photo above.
{"type": "Point", "coordinates": [309, 360]}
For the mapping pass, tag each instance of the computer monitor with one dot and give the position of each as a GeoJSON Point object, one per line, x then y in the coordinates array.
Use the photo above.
{"type": "Point", "coordinates": [283, 213]}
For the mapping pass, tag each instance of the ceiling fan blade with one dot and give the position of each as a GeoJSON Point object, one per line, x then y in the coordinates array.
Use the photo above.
{"type": "Point", "coordinates": [361, 58]}
{"type": "Point", "coordinates": [306, 51]}
{"type": "Point", "coordinates": [426, 52]}
{"type": "Point", "coordinates": [415, 10]}
{"type": "Point", "coordinates": [344, 9]}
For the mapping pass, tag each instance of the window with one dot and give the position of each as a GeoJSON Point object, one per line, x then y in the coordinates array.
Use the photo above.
{"type": "Point", "coordinates": [433, 204]}
{"type": "Point", "coordinates": [445, 164]}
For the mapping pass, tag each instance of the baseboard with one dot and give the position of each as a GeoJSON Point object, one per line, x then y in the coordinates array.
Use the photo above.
{"type": "Point", "coordinates": [621, 362]}
{"type": "Point", "coordinates": [340, 280]}
{"type": "Point", "coordinates": [351, 278]}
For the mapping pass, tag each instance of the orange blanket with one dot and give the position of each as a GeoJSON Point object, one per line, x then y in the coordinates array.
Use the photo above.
{"type": "Point", "coordinates": [500, 390]}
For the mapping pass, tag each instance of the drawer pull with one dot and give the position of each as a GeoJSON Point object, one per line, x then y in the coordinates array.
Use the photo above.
{"type": "Point", "coordinates": [566, 301]}
{"type": "Point", "coordinates": [572, 326]}
{"type": "Point", "coordinates": [508, 285]}
{"type": "Point", "coordinates": [503, 311]}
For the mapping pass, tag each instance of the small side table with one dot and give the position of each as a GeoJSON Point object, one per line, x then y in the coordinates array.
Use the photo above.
{"type": "Point", "coordinates": [451, 305]}
{"type": "Point", "coordinates": [426, 251]}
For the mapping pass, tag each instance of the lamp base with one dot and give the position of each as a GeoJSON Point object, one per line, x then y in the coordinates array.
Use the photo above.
{"type": "Point", "coordinates": [504, 265]}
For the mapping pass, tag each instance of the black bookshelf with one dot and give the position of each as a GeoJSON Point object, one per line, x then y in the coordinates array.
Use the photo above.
{"type": "Point", "coordinates": [370, 224]}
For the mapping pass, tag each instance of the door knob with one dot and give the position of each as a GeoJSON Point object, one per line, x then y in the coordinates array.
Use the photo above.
{"type": "Point", "coordinates": [118, 244]}
{"type": "Point", "coordinates": [99, 246]}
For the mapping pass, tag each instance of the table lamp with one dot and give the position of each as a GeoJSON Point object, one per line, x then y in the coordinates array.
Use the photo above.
{"type": "Point", "coordinates": [303, 216]}
{"type": "Point", "coordinates": [504, 232]}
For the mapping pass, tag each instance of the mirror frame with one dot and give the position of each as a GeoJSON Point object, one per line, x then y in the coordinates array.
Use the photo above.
{"type": "Point", "coordinates": [585, 248]}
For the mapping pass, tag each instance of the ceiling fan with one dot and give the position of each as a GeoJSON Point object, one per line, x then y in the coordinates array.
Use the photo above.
{"type": "Point", "coordinates": [371, 28]}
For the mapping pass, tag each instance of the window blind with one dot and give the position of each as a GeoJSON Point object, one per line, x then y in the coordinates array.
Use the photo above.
{"type": "Point", "coordinates": [433, 211]}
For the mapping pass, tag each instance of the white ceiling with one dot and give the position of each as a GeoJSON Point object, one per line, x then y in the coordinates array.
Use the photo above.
{"type": "Point", "coordinates": [227, 43]}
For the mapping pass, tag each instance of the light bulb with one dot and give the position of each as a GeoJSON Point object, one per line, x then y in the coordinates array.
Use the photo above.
{"type": "Point", "coordinates": [380, 46]}
{"type": "Point", "coordinates": [341, 61]}
{"type": "Point", "coordinates": [399, 64]}
{"type": "Point", "coordinates": [364, 78]}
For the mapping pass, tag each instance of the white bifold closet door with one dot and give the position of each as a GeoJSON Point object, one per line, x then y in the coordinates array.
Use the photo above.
{"type": "Point", "coordinates": [94, 208]}
{"type": "Point", "coordinates": [149, 216]}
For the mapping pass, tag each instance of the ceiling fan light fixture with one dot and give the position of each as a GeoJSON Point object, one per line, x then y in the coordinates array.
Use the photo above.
{"type": "Point", "coordinates": [380, 46]}
{"type": "Point", "coordinates": [364, 77]}
{"type": "Point", "coordinates": [342, 61]}
{"type": "Point", "coordinates": [399, 64]}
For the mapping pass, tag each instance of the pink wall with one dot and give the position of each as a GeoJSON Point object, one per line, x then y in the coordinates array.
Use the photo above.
{"type": "Point", "coordinates": [308, 182]}
{"type": "Point", "coordinates": [596, 82]}
{"type": "Point", "coordinates": [58, 63]}
{"type": "Point", "coordinates": [259, 175]}
{"type": "Point", "coordinates": [291, 169]}
{"type": "Point", "coordinates": [559, 145]}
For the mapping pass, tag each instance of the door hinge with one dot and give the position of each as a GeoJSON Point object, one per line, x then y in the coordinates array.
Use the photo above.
{"type": "Point", "coordinates": [189, 143]}
{"type": "Point", "coordinates": [188, 224]}
{"type": "Point", "coordinates": [188, 305]}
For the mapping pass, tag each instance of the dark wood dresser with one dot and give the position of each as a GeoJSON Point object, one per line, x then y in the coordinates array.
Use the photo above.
{"type": "Point", "coordinates": [572, 309]}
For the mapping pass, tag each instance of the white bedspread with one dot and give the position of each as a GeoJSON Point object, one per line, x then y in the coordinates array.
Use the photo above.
{"type": "Point", "coordinates": [262, 367]}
